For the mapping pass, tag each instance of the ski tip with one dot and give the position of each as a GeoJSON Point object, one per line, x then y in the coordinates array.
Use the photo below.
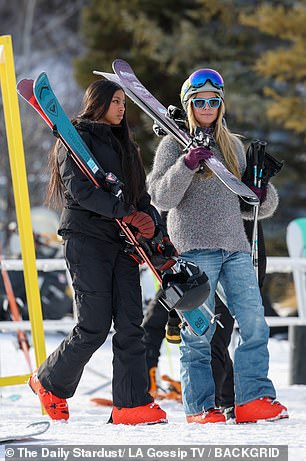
{"type": "Point", "coordinates": [39, 426]}
{"type": "Point", "coordinates": [102, 401]}
{"type": "Point", "coordinates": [25, 88]}
{"type": "Point", "coordinates": [41, 77]}
{"type": "Point", "coordinates": [250, 200]}
{"type": "Point", "coordinates": [118, 60]}
{"type": "Point", "coordinates": [43, 74]}
{"type": "Point", "coordinates": [121, 63]}
{"type": "Point", "coordinates": [108, 76]}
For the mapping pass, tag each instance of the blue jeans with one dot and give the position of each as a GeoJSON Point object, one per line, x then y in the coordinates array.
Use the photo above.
{"type": "Point", "coordinates": [236, 275]}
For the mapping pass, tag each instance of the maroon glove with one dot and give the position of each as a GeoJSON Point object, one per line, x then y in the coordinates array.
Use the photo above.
{"type": "Point", "coordinates": [195, 155]}
{"type": "Point", "coordinates": [143, 223]}
{"type": "Point", "coordinates": [260, 192]}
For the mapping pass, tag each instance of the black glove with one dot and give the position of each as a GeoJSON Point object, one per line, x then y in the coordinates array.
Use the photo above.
{"type": "Point", "coordinates": [163, 251]}
{"type": "Point", "coordinates": [160, 250]}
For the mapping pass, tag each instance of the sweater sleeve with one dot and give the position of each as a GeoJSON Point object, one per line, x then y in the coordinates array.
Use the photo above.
{"type": "Point", "coordinates": [170, 177]}
{"type": "Point", "coordinates": [267, 208]}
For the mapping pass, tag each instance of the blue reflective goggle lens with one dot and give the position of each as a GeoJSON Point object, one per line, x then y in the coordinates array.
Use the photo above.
{"type": "Point", "coordinates": [200, 103]}
{"type": "Point", "coordinates": [199, 78]}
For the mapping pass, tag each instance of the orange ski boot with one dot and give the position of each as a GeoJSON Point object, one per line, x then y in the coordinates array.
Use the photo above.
{"type": "Point", "coordinates": [144, 414]}
{"type": "Point", "coordinates": [213, 415]}
{"type": "Point", "coordinates": [263, 409]}
{"type": "Point", "coordinates": [56, 407]}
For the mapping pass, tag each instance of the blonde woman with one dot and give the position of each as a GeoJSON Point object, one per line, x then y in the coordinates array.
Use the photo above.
{"type": "Point", "coordinates": [205, 223]}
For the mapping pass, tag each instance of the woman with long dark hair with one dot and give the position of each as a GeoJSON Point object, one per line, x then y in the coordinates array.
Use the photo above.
{"type": "Point", "coordinates": [105, 278]}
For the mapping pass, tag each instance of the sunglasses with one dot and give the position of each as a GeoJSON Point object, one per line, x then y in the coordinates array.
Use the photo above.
{"type": "Point", "coordinates": [200, 77]}
{"type": "Point", "coordinates": [200, 103]}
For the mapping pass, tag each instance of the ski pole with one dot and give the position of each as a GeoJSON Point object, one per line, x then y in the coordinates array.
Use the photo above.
{"type": "Point", "coordinates": [21, 335]}
{"type": "Point", "coordinates": [254, 250]}
{"type": "Point", "coordinates": [259, 158]}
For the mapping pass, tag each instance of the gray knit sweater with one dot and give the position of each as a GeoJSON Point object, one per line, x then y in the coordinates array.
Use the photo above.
{"type": "Point", "coordinates": [203, 213]}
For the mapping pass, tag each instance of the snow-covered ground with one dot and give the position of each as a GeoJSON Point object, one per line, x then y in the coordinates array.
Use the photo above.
{"type": "Point", "coordinates": [87, 423]}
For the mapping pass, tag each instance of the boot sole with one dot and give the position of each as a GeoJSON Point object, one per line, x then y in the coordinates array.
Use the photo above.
{"type": "Point", "coordinates": [162, 421]}
{"type": "Point", "coordinates": [279, 417]}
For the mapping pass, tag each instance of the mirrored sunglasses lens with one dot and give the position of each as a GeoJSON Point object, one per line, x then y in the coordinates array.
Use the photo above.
{"type": "Point", "coordinates": [199, 103]}
{"type": "Point", "coordinates": [214, 103]}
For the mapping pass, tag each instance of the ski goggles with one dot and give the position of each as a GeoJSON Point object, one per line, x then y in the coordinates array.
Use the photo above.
{"type": "Point", "coordinates": [200, 103]}
{"type": "Point", "coordinates": [200, 78]}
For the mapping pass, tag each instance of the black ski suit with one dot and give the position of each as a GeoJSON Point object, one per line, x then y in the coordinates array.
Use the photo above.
{"type": "Point", "coordinates": [105, 279]}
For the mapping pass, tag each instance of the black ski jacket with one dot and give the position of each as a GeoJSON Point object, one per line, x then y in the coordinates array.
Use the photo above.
{"type": "Point", "coordinates": [89, 210]}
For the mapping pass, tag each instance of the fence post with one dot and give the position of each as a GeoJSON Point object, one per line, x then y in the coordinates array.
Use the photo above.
{"type": "Point", "coordinates": [22, 202]}
{"type": "Point", "coordinates": [297, 341]}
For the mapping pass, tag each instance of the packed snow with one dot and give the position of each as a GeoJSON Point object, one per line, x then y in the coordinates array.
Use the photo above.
{"type": "Point", "coordinates": [87, 423]}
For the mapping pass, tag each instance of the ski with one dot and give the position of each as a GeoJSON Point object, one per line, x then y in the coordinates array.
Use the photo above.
{"type": "Point", "coordinates": [15, 313]}
{"type": "Point", "coordinates": [125, 76]}
{"type": "Point", "coordinates": [102, 402]}
{"type": "Point", "coordinates": [171, 391]}
{"type": "Point", "coordinates": [24, 433]}
{"type": "Point", "coordinates": [41, 97]}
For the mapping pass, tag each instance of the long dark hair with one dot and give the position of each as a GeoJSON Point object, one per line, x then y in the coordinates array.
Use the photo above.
{"type": "Point", "coordinates": [96, 102]}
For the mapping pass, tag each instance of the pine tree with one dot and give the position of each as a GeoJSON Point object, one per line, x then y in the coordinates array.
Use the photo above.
{"type": "Point", "coordinates": [284, 65]}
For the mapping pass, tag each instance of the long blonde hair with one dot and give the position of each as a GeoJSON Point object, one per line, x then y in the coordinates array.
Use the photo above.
{"type": "Point", "coordinates": [226, 140]}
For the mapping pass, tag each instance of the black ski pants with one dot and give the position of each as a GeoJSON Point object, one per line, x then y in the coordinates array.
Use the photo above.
{"type": "Point", "coordinates": [154, 325]}
{"type": "Point", "coordinates": [107, 288]}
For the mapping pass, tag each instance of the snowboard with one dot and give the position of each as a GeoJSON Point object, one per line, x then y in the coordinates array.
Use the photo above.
{"type": "Point", "coordinates": [41, 97]}
{"type": "Point", "coordinates": [135, 90]}
{"type": "Point", "coordinates": [26, 432]}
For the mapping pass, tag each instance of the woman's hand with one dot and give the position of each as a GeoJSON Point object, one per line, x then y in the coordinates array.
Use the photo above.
{"type": "Point", "coordinates": [195, 155]}
{"type": "Point", "coordinates": [142, 222]}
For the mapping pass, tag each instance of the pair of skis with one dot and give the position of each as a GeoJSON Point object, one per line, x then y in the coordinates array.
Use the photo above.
{"type": "Point", "coordinates": [41, 97]}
